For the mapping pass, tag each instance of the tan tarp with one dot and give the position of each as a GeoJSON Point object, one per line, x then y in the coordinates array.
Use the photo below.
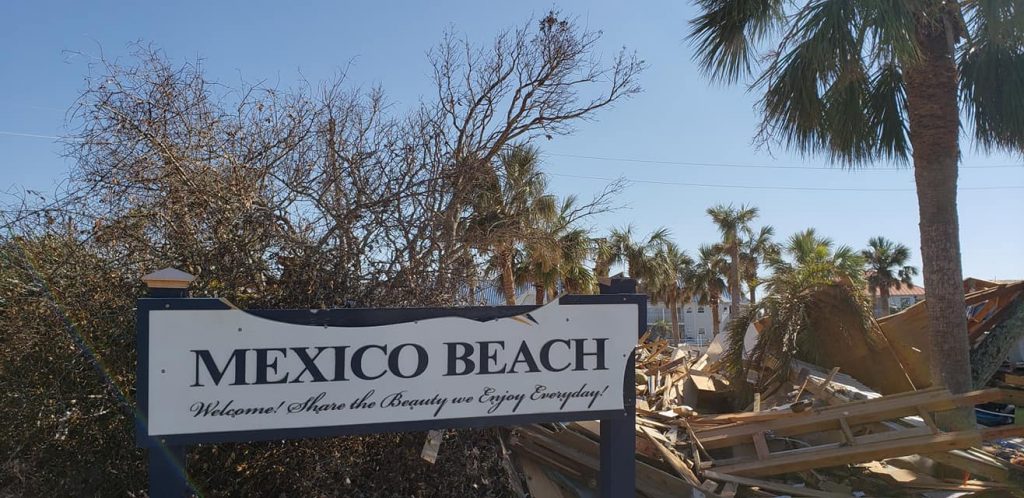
{"type": "Point", "coordinates": [907, 331]}
{"type": "Point", "coordinates": [863, 354]}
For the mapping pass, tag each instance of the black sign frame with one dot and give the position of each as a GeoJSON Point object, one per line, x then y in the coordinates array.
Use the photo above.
{"type": "Point", "coordinates": [167, 452]}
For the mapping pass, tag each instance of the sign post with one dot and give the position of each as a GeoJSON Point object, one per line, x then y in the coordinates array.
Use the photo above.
{"type": "Point", "coordinates": [167, 475]}
{"type": "Point", "coordinates": [209, 372]}
{"type": "Point", "coordinates": [618, 434]}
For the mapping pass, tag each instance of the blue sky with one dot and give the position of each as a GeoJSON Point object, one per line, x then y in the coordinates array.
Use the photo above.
{"type": "Point", "coordinates": [679, 118]}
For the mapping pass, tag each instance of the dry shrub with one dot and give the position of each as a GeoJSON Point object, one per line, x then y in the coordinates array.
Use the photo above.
{"type": "Point", "coordinates": [310, 197]}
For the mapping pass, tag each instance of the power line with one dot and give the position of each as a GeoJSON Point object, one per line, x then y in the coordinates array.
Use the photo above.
{"type": "Point", "coordinates": [781, 187]}
{"type": "Point", "coordinates": [28, 135]}
{"type": "Point", "coordinates": [672, 163]}
{"type": "Point", "coordinates": [755, 166]}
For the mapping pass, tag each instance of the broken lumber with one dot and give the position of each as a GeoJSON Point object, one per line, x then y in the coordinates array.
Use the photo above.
{"type": "Point", "coordinates": [774, 486]}
{"type": "Point", "coordinates": [810, 458]}
{"type": "Point", "coordinates": [857, 413]}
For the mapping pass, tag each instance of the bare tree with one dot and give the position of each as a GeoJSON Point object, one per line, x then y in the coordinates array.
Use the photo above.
{"type": "Point", "coordinates": [316, 196]}
{"type": "Point", "coordinates": [535, 80]}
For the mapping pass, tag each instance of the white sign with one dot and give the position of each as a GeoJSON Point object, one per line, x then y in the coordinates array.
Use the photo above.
{"type": "Point", "coordinates": [227, 370]}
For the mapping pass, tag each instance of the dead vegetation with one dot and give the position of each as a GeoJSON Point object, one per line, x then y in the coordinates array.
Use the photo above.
{"type": "Point", "coordinates": [306, 197]}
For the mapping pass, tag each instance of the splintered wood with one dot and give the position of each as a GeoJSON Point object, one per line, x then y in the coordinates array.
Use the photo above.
{"type": "Point", "coordinates": [824, 436]}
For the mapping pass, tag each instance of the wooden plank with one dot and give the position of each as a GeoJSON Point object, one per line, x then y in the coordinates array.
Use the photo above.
{"type": "Point", "coordinates": [696, 442]}
{"type": "Point", "coordinates": [724, 418]}
{"type": "Point", "coordinates": [1013, 379]}
{"type": "Point", "coordinates": [577, 468]}
{"type": "Point", "coordinates": [928, 420]}
{"type": "Point", "coordinates": [730, 489]}
{"type": "Point", "coordinates": [761, 446]}
{"type": "Point", "coordinates": [696, 457]}
{"type": "Point", "coordinates": [847, 432]}
{"type": "Point", "coordinates": [509, 466]}
{"type": "Point", "coordinates": [677, 464]}
{"type": "Point", "coordinates": [656, 350]}
{"type": "Point", "coordinates": [798, 460]}
{"type": "Point", "coordinates": [875, 410]}
{"type": "Point", "coordinates": [826, 395]}
{"type": "Point", "coordinates": [709, 486]}
{"type": "Point", "coordinates": [670, 381]}
{"type": "Point", "coordinates": [703, 382]}
{"type": "Point", "coordinates": [577, 449]}
{"type": "Point", "coordinates": [669, 366]}
{"type": "Point", "coordinates": [968, 460]}
{"type": "Point", "coordinates": [974, 461]}
{"type": "Point", "coordinates": [975, 323]}
{"type": "Point", "coordinates": [1013, 397]}
{"type": "Point", "coordinates": [774, 486]}
{"type": "Point", "coordinates": [746, 417]}
{"type": "Point", "coordinates": [651, 423]}
{"type": "Point", "coordinates": [538, 482]}
{"type": "Point", "coordinates": [865, 439]}
{"type": "Point", "coordinates": [803, 378]}
{"type": "Point", "coordinates": [831, 375]}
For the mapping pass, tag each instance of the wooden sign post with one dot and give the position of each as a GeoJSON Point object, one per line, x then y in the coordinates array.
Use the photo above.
{"type": "Point", "coordinates": [209, 372]}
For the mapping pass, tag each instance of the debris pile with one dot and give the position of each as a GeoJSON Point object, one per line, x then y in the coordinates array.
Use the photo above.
{"type": "Point", "coordinates": [820, 433]}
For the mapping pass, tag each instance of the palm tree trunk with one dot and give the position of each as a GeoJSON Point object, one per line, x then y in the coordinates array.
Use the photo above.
{"type": "Point", "coordinates": [508, 285]}
{"type": "Point", "coordinates": [753, 293]}
{"type": "Point", "coordinates": [934, 130]}
{"type": "Point", "coordinates": [883, 302]}
{"type": "Point", "coordinates": [734, 281]}
{"type": "Point", "coordinates": [675, 320]}
{"type": "Point", "coordinates": [539, 294]}
{"type": "Point", "coordinates": [715, 320]}
{"type": "Point", "coordinates": [472, 284]}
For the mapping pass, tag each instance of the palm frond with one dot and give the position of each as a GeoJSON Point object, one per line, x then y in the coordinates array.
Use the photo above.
{"type": "Point", "coordinates": [886, 265]}
{"type": "Point", "coordinates": [795, 321]}
{"type": "Point", "coordinates": [727, 34]}
{"type": "Point", "coordinates": [890, 30]}
{"type": "Point", "coordinates": [887, 113]}
{"type": "Point", "coordinates": [992, 91]}
{"type": "Point", "coordinates": [815, 87]}
{"type": "Point", "coordinates": [834, 86]}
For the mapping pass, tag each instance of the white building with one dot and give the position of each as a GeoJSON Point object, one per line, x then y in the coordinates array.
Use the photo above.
{"type": "Point", "coordinates": [695, 320]}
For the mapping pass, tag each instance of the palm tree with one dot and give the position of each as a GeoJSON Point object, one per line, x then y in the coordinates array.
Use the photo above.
{"type": "Point", "coordinates": [818, 258]}
{"type": "Point", "coordinates": [556, 256]}
{"type": "Point", "coordinates": [757, 248]}
{"type": "Point", "coordinates": [814, 286]}
{"type": "Point", "coordinates": [887, 268]}
{"type": "Point", "coordinates": [862, 81]}
{"type": "Point", "coordinates": [660, 329]}
{"type": "Point", "coordinates": [605, 255]}
{"type": "Point", "coordinates": [670, 269]}
{"type": "Point", "coordinates": [622, 246]}
{"type": "Point", "coordinates": [733, 224]}
{"type": "Point", "coordinates": [706, 283]}
{"type": "Point", "coordinates": [508, 209]}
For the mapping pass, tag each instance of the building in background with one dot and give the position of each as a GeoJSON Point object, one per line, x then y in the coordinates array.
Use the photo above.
{"type": "Point", "coordinates": [902, 298]}
{"type": "Point", "coordinates": [695, 322]}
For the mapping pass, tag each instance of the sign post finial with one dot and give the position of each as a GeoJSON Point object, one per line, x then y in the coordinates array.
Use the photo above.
{"type": "Point", "coordinates": [169, 282]}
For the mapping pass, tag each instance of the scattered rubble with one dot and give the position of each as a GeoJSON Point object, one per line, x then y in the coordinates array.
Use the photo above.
{"type": "Point", "coordinates": [817, 432]}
